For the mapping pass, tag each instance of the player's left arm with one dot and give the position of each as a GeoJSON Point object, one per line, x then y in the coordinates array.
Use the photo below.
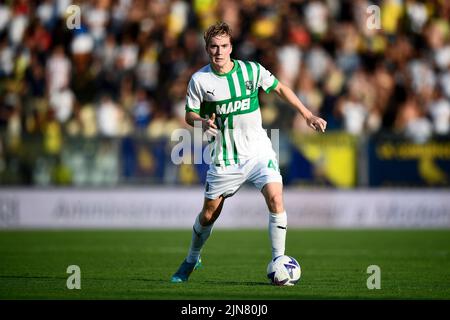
{"type": "Point", "coordinates": [289, 96]}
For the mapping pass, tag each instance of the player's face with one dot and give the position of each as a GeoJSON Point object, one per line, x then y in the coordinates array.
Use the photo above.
{"type": "Point", "coordinates": [219, 50]}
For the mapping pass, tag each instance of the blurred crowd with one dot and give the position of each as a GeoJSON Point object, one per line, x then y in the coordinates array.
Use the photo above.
{"type": "Point", "coordinates": [116, 68]}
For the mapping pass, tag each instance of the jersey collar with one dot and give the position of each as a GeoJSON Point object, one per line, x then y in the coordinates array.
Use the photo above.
{"type": "Point", "coordinates": [229, 72]}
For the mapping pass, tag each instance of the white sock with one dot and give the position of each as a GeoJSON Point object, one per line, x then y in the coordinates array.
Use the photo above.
{"type": "Point", "coordinates": [277, 233]}
{"type": "Point", "coordinates": [199, 236]}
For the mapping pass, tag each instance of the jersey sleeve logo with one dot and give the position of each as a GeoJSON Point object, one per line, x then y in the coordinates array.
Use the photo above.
{"type": "Point", "coordinates": [249, 85]}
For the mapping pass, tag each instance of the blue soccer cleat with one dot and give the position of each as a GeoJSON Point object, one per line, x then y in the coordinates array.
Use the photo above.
{"type": "Point", "coordinates": [185, 270]}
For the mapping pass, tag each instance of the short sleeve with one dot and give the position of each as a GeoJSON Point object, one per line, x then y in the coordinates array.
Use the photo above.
{"type": "Point", "coordinates": [193, 97]}
{"type": "Point", "coordinates": [267, 80]}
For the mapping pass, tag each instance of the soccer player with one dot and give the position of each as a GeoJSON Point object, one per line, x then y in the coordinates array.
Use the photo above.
{"type": "Point", "coordinates": [223, 97]}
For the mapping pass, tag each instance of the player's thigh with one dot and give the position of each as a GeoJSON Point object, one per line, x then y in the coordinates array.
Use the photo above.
{"type": "Point", "coordinates": [265, 171]}
{"type": "Point", "coordinates": [265, 175]}
{"type": "Point", "coordinates": [223, 181]}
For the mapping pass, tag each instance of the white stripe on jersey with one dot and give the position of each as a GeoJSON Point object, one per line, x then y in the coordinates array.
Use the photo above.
{"type": "Point", "coordinates": [230, 145]}
{"type": "Point", "coordinates": [237, 87]}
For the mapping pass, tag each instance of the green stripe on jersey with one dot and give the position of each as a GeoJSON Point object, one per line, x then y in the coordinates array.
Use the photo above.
{"type": "Point", "coordinates": [250, 74]}
{"type": "Point", "coordinates": [241, 81]}
{"type": "Point", "coordinates": [257, 77]}
{"type": "Point", "coordinates": [189, 109]}
{"type": "Point", "coordinates": [274, 84]}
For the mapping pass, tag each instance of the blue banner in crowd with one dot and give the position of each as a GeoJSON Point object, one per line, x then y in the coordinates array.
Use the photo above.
{"type": "Point", "coordinates": [322, 160]}
{"type": "Point", "coordinates": [403, 163]}
{"type": "Point", "coordinates": [144, 161]}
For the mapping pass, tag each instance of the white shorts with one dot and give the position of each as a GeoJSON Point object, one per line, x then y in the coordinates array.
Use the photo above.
{"type": "Point", "coordinates": [226, 180]}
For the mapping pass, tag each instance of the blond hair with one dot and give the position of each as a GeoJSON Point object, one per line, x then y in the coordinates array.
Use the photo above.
{"type": "Point", "coordinates": [218, 29]}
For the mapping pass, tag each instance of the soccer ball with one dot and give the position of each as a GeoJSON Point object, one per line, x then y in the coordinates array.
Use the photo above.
{"type": "Point", "coordinates": [284, 271]}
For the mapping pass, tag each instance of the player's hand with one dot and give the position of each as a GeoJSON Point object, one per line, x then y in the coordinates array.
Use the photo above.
{"type": "Point", "coordinates": [316, 123]}
{"type": "Point", "coordinates": [209, 127]}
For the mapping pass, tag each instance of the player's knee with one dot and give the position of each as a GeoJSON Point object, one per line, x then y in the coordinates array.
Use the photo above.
{"type": "Point", "coordinates": [276, 202]}
{"type": "Point", "coordinates": [207, 217]}
{"type": "Point", "coordinates": [210, 211]}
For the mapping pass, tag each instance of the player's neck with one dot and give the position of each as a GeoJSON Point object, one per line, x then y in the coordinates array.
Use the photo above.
{"type": "Point", "coordinates": [223, 69]}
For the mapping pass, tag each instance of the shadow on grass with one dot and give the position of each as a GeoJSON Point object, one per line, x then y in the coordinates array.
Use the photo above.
{"type": "Point", "coordinates": [236, 283]}
{"type": "Point", "coordinates": [207, 282]}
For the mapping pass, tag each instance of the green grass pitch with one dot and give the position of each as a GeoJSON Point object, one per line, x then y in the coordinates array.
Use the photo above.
{"type": "Point", "coordinates": [137, 264]}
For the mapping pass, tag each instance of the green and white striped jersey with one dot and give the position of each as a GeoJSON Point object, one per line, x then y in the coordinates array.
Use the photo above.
{"type": "Point", "coordinates": [233, 97]}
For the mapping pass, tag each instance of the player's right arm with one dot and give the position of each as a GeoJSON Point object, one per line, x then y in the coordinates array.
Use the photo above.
{"type": "Point", "coordinates": [207, 124]}
{"type": "Point", "coordinates": [194, 99]}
